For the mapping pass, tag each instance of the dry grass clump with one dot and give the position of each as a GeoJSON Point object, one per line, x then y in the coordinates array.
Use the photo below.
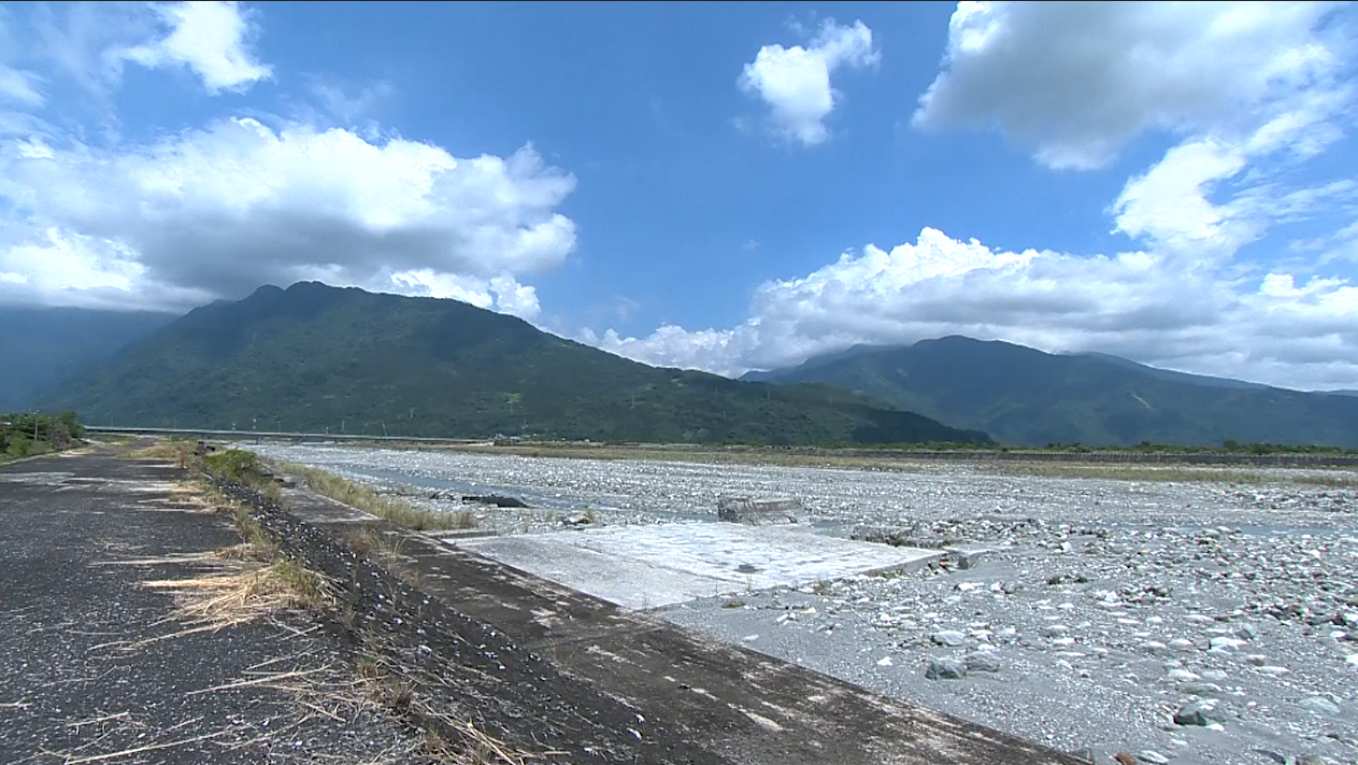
{"type": "Point", "coordinates": [249, 591]}
{"type": "Point", "coordinates": [166, 449]}
{"type": "Point", "coordinates": [396, 687]}
{"type": "Point", "coordinates": [362, 497]}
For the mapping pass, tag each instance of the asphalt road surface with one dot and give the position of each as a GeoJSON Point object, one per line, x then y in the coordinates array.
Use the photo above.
{"type": "Point", "coordinates": [92, 668]}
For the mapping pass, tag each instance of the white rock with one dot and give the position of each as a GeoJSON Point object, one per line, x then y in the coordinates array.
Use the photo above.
{"type": "Point", "coordinates": [885, 661]}
{"type": "Point", "coordinates": [1320, 705]}
{"type": "Point", "coordinates": [1183, 645]}
{"type": "Point", "coordinates": [1224, 643]}
{"type": "Point", "coordinates": [951, 638]}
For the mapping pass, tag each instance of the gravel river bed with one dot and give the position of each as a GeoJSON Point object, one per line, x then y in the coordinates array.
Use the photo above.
{"type": "Point", "coordinates": [1156, 621]}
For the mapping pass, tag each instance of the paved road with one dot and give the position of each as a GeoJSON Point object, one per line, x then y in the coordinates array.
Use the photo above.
{"type": "Point", "coordinates": [73, 605]}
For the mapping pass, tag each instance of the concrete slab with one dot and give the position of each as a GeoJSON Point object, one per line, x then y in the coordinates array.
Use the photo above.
{"type": "Point", "coordinates": [643, 567]}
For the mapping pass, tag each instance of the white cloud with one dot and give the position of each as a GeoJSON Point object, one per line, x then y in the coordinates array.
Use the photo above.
{"type": "Point", "coordinates": [1136, 304]}
{"type": "Point", "coordinates": [1257, 93]}
{"type": "Point", "coordinates": [210, 38]}
{"type": "Point", "coordinates": [502, 293]}
{"type": "Point", "coordinates": [795, 82]}
{"type": "Point", "coordinates": [1076, 81]}
{"type": "Point", "coordinates": [346, 101]}
{"type": "Point", "coordinates": [218, 211]}
{"type": "Point", "coordinates": [20, 86]}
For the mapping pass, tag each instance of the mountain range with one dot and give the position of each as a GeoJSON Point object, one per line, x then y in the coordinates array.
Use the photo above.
{"type": "Point", "coordinates": [1024, 396]}
{"type": "Point", "coordinates": [41, 346]}
{"type": "Point", "coordinates": [317, 358]}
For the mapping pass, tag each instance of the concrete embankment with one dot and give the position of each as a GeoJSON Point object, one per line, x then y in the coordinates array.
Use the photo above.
{"type": "Point", "coordinates": [586, 676]}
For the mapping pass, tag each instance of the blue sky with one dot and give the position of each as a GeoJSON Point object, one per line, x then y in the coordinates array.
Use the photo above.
{"type": "Point", "coordinates": [715, 185]}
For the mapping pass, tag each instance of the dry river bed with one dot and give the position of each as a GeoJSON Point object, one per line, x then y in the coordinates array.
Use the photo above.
{"type": "Point", "coordinates": [1190, 622]}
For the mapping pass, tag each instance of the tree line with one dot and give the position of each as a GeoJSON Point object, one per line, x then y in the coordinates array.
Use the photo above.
{"type": "Point", "coordinates": [24, 434]}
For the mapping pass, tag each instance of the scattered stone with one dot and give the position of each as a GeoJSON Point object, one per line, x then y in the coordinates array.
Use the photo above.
{"type": "Point", "coordinates": [1202, 712]}
{"type": "Point", "coordinates": [945, 669]}
{"type": "Point", "coordinates": [1320, 705]}
{"type": "Point", "coordinates": [967, 556]}
{"type": "Point", "coordinates": [981, 661]}
{"type": "Point", "coordinates": [950, 638]}
{"type": "Point", "coordinates": [1149, 578]}
{"type": "Point", "coordinates": [1224, 643]}
{"type": "Point", "coordinates": [496, 500]}
{"type": "Point", "coordinates": [577, 519]}
{"type": "Point", "coordinates": [1124, 758]}
{"type": "Point", "coordinates": [1182, 645]}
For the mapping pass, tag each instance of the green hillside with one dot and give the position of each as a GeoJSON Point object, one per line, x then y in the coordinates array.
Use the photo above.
{"type": "Point", "coordinates": [41, 346]}
{"type": "Point", "coordinates": [317, 358]}
{"type": "Point", "coordinates": [1024, 396]}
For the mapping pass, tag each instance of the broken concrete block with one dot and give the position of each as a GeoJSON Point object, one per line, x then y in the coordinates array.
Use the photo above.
{"type": "Point", "coordinates": [968, 556]}
{"type": "Point", "coordinates": [759, 512]}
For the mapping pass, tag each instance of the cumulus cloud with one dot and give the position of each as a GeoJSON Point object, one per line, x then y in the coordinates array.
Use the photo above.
{"type": "Point", "coordinates": [1256, 91]}
{"type": "Point", "coordinates": [210, 38]}
{"type": "Point", "coordinates": [1076, 81]}
{"type": "Point", "coordinates": [1134, 304]}
{"type": "Point", "coordinates": [218, 211]}
{"type": "Point", "coordinates": [795, 82]}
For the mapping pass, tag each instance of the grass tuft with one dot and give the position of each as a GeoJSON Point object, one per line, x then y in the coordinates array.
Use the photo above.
{"type": "Point", "coordinates": [171, 449]}
{"type": "Point", "coordinates": [362, 497]}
